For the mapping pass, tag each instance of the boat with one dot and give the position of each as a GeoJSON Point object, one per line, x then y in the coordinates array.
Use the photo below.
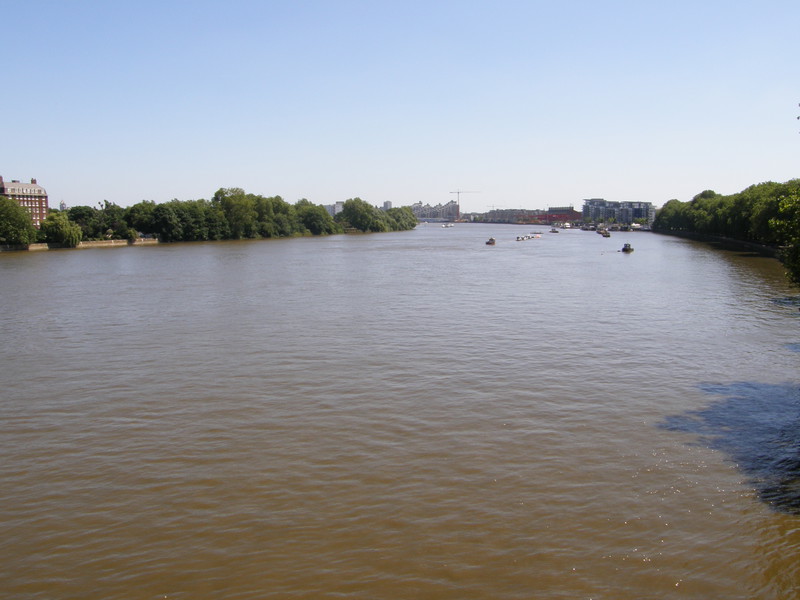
{"type": "Point", "coordinates": [626, 248]}
{"type": "Point", "coordinates": [491, 241]}
{"type": "Point", "coordinates": [554, 230]}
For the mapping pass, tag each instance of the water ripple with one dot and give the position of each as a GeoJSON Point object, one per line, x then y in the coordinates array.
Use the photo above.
{"type": "Point", "coordinates": [406, 415]}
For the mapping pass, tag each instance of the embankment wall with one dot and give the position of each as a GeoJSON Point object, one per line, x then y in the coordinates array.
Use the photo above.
{"type": "Point", "coordinates": [82, 245]}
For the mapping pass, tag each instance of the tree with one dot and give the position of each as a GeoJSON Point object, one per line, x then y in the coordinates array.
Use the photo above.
{"type": "Point", "coordinates": [190, 215]}
{"type": "Point", "coordinates": [277, 218]}
{"type": "Point", "coordinates": [166, 223]}
{"type": "Point", "coordinates": [401, 218]}
{"type": "Point", "coordinates": [240, 212]}
{"type": "Point", "coordinates": [16, 227]}
{"type": "Point", "coordinates": [362, 216]}
{"type": "Point", "coordinates": [216, 224]}
{"type": "Point", "coordinates": [767, 213]}
{"type": "Point", "coordinates": [58, 229]}
{"type": "Point", "coordinates": [89, 221]}
{"type": "Point", "coordinates": [315, 218]}
{"type": "Point", "coordinates": [704, 210]}
{"type": "Point", "coordinates": [111, 221]}
{"type": "Point", "coordinates": [787, 224]}
{"type": "Point", "coordinates": [140, 216]}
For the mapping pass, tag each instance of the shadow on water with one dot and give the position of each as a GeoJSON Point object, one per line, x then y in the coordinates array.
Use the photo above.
{"type": "Point", "coordinates": [758, 426]}
{"type": "Point", "coordinates": [787, 301]}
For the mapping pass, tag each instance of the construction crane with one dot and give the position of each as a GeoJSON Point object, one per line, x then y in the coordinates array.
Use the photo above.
{"type": "Point", "coordinates": [458, 198]}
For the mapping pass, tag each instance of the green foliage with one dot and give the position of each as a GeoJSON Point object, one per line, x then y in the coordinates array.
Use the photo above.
{"type": "Point", "coordinates": [103, 223]}
{"type": "Point", "coordinates": [230, 214]}
{"type": "Point", "coordinates": [193, 219]}
{"type": "Point", "coordinates": [179, 221]}
{"type": "Point", "coordinates": [673, 216]}
{"type": "Point", "coordinates": [216, 225]}
{"type": "Point", "coordinates": [167, 224]}
{"type": "Point", "coordinates": [705, 208]}
{"type": "Point", "coordinates": [16, 227]}
{"type": "Point", "coordinates": [276, 217]}
{"type": "Point", "coordinates": [765, 214]}
{"type": "Point", "coordinates": [140, 216]}
{"type": "Point", "coordinates": [315, 218]}
{"type": "Point", "coordinates": [86, 218]}
{"type": "Point", "coordinates": [58, 229]}
{"type": "Point", "coordinates": [401, 219]}
{"type": "Point", "coordinates": [240, 212]}
{"type": "Point", "coordinates": [362, 216]}
{"type": "Point", "coordinates": [112, 221]}
{"type": "Point", "coordinates": [765, 208]}
{"type": "Point", "coordinates": [787, 224]}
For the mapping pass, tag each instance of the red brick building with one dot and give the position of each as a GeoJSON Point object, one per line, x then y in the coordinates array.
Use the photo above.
{"type": "Point", "coordinates": [563, 214]}
{"type": "Point", "coordinates": [31, 196]}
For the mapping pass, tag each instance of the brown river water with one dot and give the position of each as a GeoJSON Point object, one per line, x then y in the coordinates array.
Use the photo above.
{"type": "Point", "coordinates": [403, 415]}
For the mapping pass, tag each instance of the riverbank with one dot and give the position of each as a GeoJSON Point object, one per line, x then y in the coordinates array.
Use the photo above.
{"type": "Point", "coordinates": [726, 243]}
{"type": "Point", "coordinates": [82, 245]}
{"type": "Point", "coordinates": [138, 242]}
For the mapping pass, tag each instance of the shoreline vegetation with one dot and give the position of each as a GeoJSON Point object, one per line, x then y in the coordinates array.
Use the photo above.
{"type": "Point", "coordinates": [764, 217]}
{"type": "Point", "coordinates": [231, 214]}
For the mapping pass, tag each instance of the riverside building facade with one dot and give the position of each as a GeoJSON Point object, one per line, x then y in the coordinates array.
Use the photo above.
{"type": "Point", "coordinates": [597, 210]}
{"type": "Point", "coordinates": [30, 196]}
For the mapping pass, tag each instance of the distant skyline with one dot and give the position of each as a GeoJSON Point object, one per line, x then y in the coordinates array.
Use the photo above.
{"type": "Point", "coordinates": [529, 104]}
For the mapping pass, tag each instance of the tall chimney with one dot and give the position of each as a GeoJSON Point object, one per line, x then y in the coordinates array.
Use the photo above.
{"type": "Point", "coordinates": [33, 181]}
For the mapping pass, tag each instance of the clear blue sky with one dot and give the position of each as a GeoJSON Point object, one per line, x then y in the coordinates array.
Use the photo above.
{"type": "Point", "coordinates": [530, 103]}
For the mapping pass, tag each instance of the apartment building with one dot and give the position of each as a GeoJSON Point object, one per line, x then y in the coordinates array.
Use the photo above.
{"type": "Point", "coordinates": [597, 210]}
{"type": "Point", "coordinates": [30, 196]}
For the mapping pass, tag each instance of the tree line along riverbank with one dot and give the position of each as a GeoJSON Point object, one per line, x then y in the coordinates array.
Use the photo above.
{"type": "Point", "coordinates": [766, 214]}
{"type": "Point", "coordinates": [231, 214]}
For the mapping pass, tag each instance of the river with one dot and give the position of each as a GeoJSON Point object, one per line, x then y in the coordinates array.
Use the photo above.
{"type": "Point", "coordinates": [400, 415]}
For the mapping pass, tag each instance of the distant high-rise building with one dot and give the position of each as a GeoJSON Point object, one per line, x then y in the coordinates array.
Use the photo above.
{"type": "Point", "coordinates": [440, 212]}
{"type": "Point", "coordinates": [598, 210]}
{"type": "Point", "coordinates": [31, 196]}
{"type": "Point", "coordinates": [334, 209]}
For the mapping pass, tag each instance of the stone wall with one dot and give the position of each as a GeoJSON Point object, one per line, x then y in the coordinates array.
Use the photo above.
{"type": "Point", "coordinates": [82, 245]}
